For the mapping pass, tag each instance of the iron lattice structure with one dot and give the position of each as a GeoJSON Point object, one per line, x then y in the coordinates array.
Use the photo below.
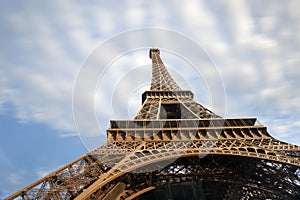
{"type": "Point", "coordinates": [175, 148]}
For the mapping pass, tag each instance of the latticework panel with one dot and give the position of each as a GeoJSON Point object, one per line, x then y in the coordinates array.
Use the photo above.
{"type": "Point", "coordinates": [66, 182]}
{"type": "Point", "coordinates": [216, 177]}
{"type": "Point", "coordinates": [97, 173]}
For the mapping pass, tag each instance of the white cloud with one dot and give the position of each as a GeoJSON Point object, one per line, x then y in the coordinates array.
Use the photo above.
{"type": "Point", "coordinates": [43, 172]}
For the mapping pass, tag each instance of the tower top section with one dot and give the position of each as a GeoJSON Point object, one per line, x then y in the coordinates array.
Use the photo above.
{"type": "Point", "coordinates": [166, 100]}
{"type": "Point", "coordinates": [161, 79]}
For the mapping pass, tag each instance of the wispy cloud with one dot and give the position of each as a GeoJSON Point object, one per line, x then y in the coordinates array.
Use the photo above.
{"type": "Point", "coordinates": [67, 135]}
{"type": "Point", "coordinates": [12, 177]}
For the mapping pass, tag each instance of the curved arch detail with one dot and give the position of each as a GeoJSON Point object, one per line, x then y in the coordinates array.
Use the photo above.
{"type": "Point", "coordinates": [142, 157]}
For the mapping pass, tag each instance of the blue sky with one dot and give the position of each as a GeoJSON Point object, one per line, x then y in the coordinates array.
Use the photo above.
{"type": "Point", "coordinates": [254, 46]}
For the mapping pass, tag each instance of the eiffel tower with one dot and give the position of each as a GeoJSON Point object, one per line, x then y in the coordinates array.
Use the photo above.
{"type": "Point", "coordinates": [175, 148]}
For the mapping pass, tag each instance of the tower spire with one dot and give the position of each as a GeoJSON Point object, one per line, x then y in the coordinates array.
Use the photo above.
{"type": "Point", "coordinates": [161, 79]}
{"type": "Point", "coordinates": [166, 100]}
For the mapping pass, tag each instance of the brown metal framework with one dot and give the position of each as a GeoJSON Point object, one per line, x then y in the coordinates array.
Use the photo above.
{"type": "Point", "coordinates": [175, 148]}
